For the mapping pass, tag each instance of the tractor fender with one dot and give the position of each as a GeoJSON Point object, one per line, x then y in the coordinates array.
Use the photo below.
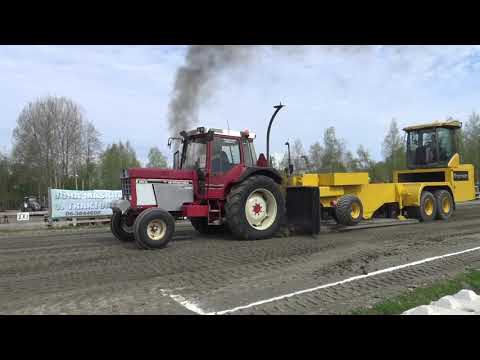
{"type": "Point", "coordinates": [257, 170]}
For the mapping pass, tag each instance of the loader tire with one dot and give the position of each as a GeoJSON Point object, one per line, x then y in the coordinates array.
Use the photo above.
{"type": "Point", "coordinates": [445, 204]}
{"type": "Point", "coordinates": [349, 210]}
{"type": "Point", "coordinates": [255, 208]}
{"type": "Point", "coordinates": [119, 227]}
{"type": "Point", "coordinates": [201, 225]}
{"type": "Point", "coordinates": [427, 211]}
{"type": "Point", "coordinates": [153, 229]}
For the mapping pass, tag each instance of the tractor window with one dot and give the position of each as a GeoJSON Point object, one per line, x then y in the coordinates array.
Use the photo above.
{"type": "Point", "coordinates": [247, 153]}
{"type": "Point", "coordinates": [225, 154]}
{"type": "Point", "coordinates": [195, 155]}
{"type": "Point", "coordinates": [430, 144]}
{"type": "Point", "coordinates": [413, 144]}
{"type": "Point", "coordinates": [254, 154]}
{"type": "Point", "coordinates": [446, 146]}
{"type": "Point", "coordinates": [430, 147]}
{"type": "Point", "coordinates": [422, 147]}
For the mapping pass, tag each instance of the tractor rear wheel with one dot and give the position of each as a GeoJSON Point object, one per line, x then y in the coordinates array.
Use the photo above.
{"type": "Point", "coordinates": [201, 225]}
{"type": "Point", "coordinates": [255, 208]}
{"type": "Point", "coordinates": [444, 204]}
{"type": "Point", "coordinates": [427, 211]}
{"type": "Point", "coordinates": [349, 210]}
{"type": "Point", "coordinates": [120, 227]}
{"type": "Point", "coordinates": [153, 228]}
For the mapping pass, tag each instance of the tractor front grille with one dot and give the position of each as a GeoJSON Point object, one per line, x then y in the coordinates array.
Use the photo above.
{"type": "Point", "coordinates": [126, 187]}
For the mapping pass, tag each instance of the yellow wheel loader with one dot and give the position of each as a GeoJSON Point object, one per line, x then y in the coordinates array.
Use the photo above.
{"type": "Point", "coordinates": [434, 182]}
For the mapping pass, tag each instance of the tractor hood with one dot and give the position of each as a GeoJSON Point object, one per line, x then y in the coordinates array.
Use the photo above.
{"type": "Point", "coordinates": [156, 173]}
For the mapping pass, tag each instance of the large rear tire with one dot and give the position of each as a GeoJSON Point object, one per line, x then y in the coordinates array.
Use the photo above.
{"type": "Point", "coordinates": [154, 229]}
{"type": "Point", "coordinates": [427, 211]}
{"type": "Point", "coordinates": [255, 208]}
{"type": "Point", "coordinates": [349, 210]}
{"type": "Point", "coordinates": [445, 204]}
{"type": "Point", "coordinates": [120, 228]}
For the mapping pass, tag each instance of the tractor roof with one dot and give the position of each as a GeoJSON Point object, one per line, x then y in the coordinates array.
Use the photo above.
{"type": "Point", "coordinates": [435, 124]}
{"type": "Point", "coordinates": [202, 130]}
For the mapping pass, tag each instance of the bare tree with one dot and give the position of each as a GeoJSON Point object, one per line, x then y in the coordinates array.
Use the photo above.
{"type": "Point", "coordinates": [91, 151]}
{"type": "Point", "coordinates": [50, 141]}
{"type": "Point", "coordinates": [297, 154]}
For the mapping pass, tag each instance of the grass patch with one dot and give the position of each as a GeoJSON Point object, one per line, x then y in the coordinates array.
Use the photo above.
{"type": "Point", "coordinates": [423, 296]}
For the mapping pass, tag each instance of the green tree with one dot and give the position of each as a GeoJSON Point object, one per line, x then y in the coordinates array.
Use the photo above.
{"type": "Point", "coordinates": [470, 142]}
{"type": "Point", "coordinates": [379, 172]}
{"type": "Point", "coordinates": [334, 151]}
{"type": "Point", "coordinates": [365, 162]}
{"type": "Point", "coordinates": [315, 156]}
{"type": "Point", "coordinates": [115, 158]}
{"type": "Point", "coordinates": [156, 159]}
{"type": "Point", "coordinates": [393, 149]}
{"type": "Point", "coordinates": [4, 181]}
{"type": "Point", "coordinates": [351, 163]}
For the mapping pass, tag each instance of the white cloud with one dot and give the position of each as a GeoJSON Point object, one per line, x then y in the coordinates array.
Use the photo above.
{"type": "Point", "coordinates": [125, 90]}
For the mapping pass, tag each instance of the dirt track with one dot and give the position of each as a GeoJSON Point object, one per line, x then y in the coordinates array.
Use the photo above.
{"type": "Point", "coordinates": [91, 272]}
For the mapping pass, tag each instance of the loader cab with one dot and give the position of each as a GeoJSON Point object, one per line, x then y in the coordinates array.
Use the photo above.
{"type": "Point", "coordinates": [432, 145]}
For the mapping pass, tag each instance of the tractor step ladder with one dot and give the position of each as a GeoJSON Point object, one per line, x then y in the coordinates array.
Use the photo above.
{"type": "Point", "coordinates": [214, 215]}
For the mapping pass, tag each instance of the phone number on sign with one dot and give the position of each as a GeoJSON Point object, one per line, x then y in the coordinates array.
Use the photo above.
{"type": "Point", "coordinates": [82, 213]}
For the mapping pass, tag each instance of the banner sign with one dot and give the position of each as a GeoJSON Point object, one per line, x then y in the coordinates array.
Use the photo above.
{"type": "Point", "coordinates": [78, 203]}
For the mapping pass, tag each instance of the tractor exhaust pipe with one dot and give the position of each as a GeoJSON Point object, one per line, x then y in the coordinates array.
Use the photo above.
{"type": "Point", "coordinates": [277, 109]}
{"type": "Point", "coordinates": [290, 166]}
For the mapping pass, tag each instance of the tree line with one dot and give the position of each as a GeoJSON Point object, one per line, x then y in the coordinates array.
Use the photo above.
{"type": "Point", "coordinates": [54, 145]}
{"type": "Point", "coordinates": [331, 153]}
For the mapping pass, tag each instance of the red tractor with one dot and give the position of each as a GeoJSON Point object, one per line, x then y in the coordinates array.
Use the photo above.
{"type": "Point", "coordinates": [217, 182]}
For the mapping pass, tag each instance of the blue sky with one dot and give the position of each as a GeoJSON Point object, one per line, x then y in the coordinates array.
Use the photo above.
{"type": "Point", "coordinates": [125, 90]}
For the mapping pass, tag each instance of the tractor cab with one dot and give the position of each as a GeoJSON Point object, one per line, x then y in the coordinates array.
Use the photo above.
{"type": "Point", "coordinates": [215, 151]}
{"type": "Point", "coordinates": [432, 145]}
{"type": "Point", "coordinates": [218, 156]}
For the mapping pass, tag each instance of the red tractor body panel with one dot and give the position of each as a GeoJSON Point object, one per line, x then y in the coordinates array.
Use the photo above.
{"type": "Point", "coordinates": [158, 174]}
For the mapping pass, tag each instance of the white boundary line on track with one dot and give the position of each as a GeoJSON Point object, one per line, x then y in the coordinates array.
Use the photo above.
{"type": "Point", "coordinates": [195, 308]}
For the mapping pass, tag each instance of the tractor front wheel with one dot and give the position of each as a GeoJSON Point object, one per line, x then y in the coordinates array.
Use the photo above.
{"type": "Point", "coordinates": [153, 228]}
{"type": "Point", "coordinates": [120, 227]}
{"type": "Point", "coordinates": [255, 208]}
